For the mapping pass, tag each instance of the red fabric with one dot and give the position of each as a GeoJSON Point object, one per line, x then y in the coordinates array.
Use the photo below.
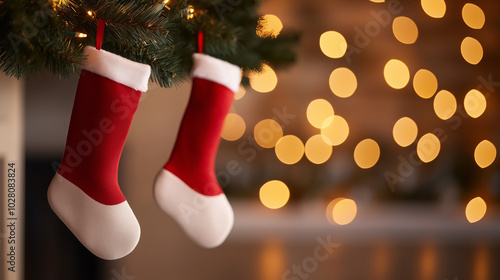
{"type": "Point", "coordinates": [200, 42]}
{"type": "Point", "coordinates": [100, 121]}
{"type": "Point", "coordinates": [193, 157]}
{"type": "Point", "coordinates": [100, 33]}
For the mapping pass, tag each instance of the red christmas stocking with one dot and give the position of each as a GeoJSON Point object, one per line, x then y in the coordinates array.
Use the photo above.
{"type": "Point", "coordinates": [186, 188]}
{"type": "Point", "coordinates": [85, 193]}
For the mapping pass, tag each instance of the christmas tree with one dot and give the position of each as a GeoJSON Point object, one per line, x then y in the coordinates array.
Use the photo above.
{"type": "Point", "coordinates": [45, 35]}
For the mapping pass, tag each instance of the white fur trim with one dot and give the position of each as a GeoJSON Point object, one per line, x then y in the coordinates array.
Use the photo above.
{"type": "Point", "coordinates": [207, 220]}
{"type": "Point", "coordinates": [108, 231]}
{"type": "Point", "coordinates": [216, 70]}
{"type": "Point", "coordinates": [119, 69]}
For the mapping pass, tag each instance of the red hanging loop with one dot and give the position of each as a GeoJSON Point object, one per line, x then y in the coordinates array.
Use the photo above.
{"type": "Point", "coordinates": [200, 42]}
{"type": "Point", "coordinates": [100, 33]}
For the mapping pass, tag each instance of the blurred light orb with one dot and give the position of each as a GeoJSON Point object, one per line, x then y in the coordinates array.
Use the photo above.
{"type": "Point", "coordinates": [317, 150]}
{"type": "Point", "coordinates": [471, 50]}
{"type": "Point", "coordinates": [473, 16]}
{"type": "Point", "coordinates": [434, 8]}
{"type": "Point", "coordinates": [396, 74]}
{"type": "Point", "coordinates": [405, 131]}
{"type": "Point", "coordinates": [343, 82]}
{"type": "Point", "coordinates": [264, 81]}
{"type": "Point", "coordinates": [241, 92]}
{"type": "Point", "coordinates": [289, 149]}
{"type": "Point", "coordinates": [366, 153]}
{"type": "Point", "coordinates": [445, 104]}
{"type": "Point", "coordinates": [344, 211]}
{"type": "Point", "coordinates": [271, 26]}
{"type": "Point", "coordinates": [475, 103]}
{"type": "Point", "coordinates": [405, 30]}
{"type": "Point", "coordinates": [377, 1]}
{"type": "Point", "coordinates": [425, 83]}
{"type": "Point", "coordinates": [485, 154]}
{"type": "Point", "coordinates": [318, 111]}
{"type": "Point", "coordinates": [233, 127]}
{"type": "Point", "coordinates": [475, 210]}
{"type": "Point", "coordinates": [333, 44]}
{"type": "Point", "coordinates": [428, 147]}
{"type": "Point", "coordinates": [274, 194]}
{"type": "Point", "coordinates": [267, 132]}
{"type": "Point", "coordinates": [335, 130]}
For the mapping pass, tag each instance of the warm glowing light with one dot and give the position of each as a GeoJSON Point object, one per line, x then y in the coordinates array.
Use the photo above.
{"type": "Point", "coordinates": [475, 103]}
{"type": "Point", "coordinates": [472, 51]}
{"type": "Point", "coordinates": [434, 8]}
{"type": "Point", "coordinates": [377, 1]}
{"type": "Point", "coordinates": [267, 132]}
{"type": "Point", "coordinates": [264, 81]}
{"type": "Point", "coordinates": [90, 13]}
{"type": "Point", "coordinates": [428, 147]}
{"type": "Point", "coordinates": [165, 2]}
{"type": "Point", "coordinates": [335, 130]}
{"type": "Point", "coordinates": [473, 16]}
{"type": "Point", "coordinates": [80, 35]}
{"type": "Point", "coordinates": [318, 111]}
{"type": "Point", "coordinates": [233, 128]}
{"type": "Point", "coordinates": [366, 153]}
{"type": "Point", "coordinates": [396, 74]}
{"type": "Point", "coordinates": [475, 210]}
{"type": "Point", "coordinates": [343, 82]}
{"type": "Point", "coordinates": [190, 13]}
{"type": "Point", "coordinates": [241, 92]}
{"type": "Point", "coordinates": [289, 149]}
{"type": "Point", "coordinates": [333, 44]}
{"type": "Point", "coordinates": [445, 104]}
{"type": "Point", "coordinates": [270, 26]}
{"type": "Point", "coordinates": [274, 194]}
{"type": "Point", "coordinates": [405, 131]}
{"type": "Point", "coordinates": [317, 150]}
{"type": "Point", "coordinates": [344, 211]}
{"type": "Point", "coordinates": [425, 83]}
{"type": "Point", "coordinates": [485, 154]}
{"type": "Point", "coordinates": [405, 30]}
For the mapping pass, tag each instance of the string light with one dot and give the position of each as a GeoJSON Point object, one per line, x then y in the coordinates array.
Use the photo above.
{"type": "Point", "coordinates": [90, 13]}
{"type": "Point", "coordinates": [165, 2]}
{"type": "Point", "coordinates": [80, 35]}
{"type": "Point", "coordinates": [190, 14]}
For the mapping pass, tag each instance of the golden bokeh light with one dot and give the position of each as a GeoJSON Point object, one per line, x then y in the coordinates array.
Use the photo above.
{"type": "Point", "coordinates": [475, 210]}
{"type": "Point", "coordinates": [428, 147]}
{"type": "Point", "coordinates": [425, 83]}
{"type": "Point", "coordinates": [270, 25]}
{"type": "Point", "coordinates": [475, 103]}
{"type": "Point", "coordinates": [396, 74]}
{"type": "Point", "coordinates": [434, 8]}
{"type": "Point", "coordinates": [344, 211]}
{"type": "Point", "coordinates": [241, 92]}
{"type": "Point", "coordinates": [333, 44]}
{"type": "Point", "coordinates": [267, 132]}
{"type": "Point", "coordinates": [335, 130]}
{"type": "Point", "coordinates": [274, 194]}
{"type": "Point", "coordinates": [317, 150]}
{"type": "Point", "coordinates": [405, 131]}
{"type": "Point", "coordinates": [289, 149]}
{"type": "Point", "coordinates": [485, 154]}
{"type": "Point", "coordinates": [366, 153]}
{"type": "Point", "coordinates": [405, 30]}
{"type": "Point", "coordinates": [445, 104]}
{"type": "Point", "coordinates": [473, 16]}
{"type": "Point", "coordinates": [377, 1]}
{"type": "Point", "coordinates": [471, 50]}
{"type": "Point", "coordinates": [343, 82]}
{"type": "Point", "coordinates": [264, 81]}
{"type": "Point", "coordinates": [233, 127]}
{"type": "Point", "coordinates": [318, 111]}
